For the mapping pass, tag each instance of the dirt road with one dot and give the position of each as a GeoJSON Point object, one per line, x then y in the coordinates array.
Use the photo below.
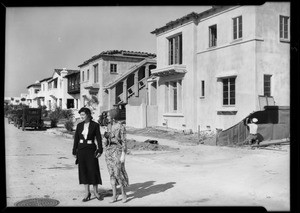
{"type": "Point", "coordinates": [39, 164]}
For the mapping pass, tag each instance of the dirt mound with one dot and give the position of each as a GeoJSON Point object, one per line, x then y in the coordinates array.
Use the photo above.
{"type": "Point", "coordinates": [207, 138]}
{"type": "Point", "coordinates": [135, 145]}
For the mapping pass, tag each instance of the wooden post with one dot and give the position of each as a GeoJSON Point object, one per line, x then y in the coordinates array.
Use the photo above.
{"type": "Point", "coordinates": [125, 90]}
{"type": "Point", "coordinates": [136, 84]}
{"type": "Point", "coordinates": [146, 75]}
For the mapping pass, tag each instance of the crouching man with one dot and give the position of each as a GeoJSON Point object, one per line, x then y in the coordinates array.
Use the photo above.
{"type": "Point", "coordinates": [252, 137]}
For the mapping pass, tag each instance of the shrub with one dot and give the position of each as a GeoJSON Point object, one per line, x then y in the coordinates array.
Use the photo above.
{"type": "Point", "coordinates": [67, 113]}
{"type": "Point", "coordinates": [55, 116]}
{"type": "Point", "coordinates": [69, 125]}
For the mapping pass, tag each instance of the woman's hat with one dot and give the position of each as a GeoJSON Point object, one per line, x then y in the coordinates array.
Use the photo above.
{"type": "Point", "coordinates": [254, 120]}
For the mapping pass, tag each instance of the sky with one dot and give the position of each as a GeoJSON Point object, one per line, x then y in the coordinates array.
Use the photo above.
{"type": "Point", "coordinates": [41, 39]}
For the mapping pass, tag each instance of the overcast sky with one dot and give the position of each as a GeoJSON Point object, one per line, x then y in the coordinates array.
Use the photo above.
{"type": "Point", "coordinates": [41, 39]}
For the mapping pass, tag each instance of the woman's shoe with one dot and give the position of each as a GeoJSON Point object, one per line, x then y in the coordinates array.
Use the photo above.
{"type": "Point", "coordinates": [99, 197]}
{"type": "Point", "coordinates": [124, 199]}
{"type": "Point", "coordinates": [87, 198]}
{"type": "Point", "coordinates": [114, 199]}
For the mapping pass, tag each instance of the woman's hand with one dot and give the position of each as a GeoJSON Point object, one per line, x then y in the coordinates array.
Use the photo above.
{"type": "Point", "coordinates": [97, 153]}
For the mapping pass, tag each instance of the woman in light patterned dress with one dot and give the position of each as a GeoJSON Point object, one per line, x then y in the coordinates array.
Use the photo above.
{"type": "Point", "coordinates": [115, 150]}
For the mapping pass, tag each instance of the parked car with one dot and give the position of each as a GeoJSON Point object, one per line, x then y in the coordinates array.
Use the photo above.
{"type": "Point", "coordinates": [119, 110]}
{"type": "Point", "coordinates": [18, 118]}
{"type": "Point", "coordinates": [32, 117]}
{"type": "Point", "coordinates": [10, 115]}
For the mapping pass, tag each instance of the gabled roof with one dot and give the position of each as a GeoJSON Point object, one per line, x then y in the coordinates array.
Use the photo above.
{"type": "Point", "coordinates": [58, 71]}
{"type": "Point", "coordinates": [72, 73]}
{"type": "Point", "coordinates": [34, 85]}
{"type": "Point", "coordinates": [120, 53]}
{"type": "Point", "coordinates": [190, 17]}
{"type": "Point", "coordinates": [131, 70]}
{"type": "Point", "coordinates": [45, 79]}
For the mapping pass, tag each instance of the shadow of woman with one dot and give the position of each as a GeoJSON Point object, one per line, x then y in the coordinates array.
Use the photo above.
{"type": "Point", "coordinates": [147, 188]}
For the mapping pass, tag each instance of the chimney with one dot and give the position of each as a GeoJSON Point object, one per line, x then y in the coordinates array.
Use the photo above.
{"type": "Point", "coordinates": [64, 72]}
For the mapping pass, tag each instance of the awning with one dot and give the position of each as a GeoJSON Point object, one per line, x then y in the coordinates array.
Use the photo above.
{"type": "Point", "coordinates": [226, 74]}
{"type": "Point", "coordinates": [169, 70]}
{"type": "Point", "coordinates": [93, 88]}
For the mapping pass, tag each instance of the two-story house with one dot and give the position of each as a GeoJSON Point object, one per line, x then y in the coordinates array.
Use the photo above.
{"type": "Point", "coordinates": [107, 77]}
{"type": "Point", "coordinates": [216, 67]}
{"type": "Point", "coordinates": [32, 97]}
{"type": "Point", "coordinates": [73, 89]}
{"type": "Point", "coordinates": [57, 95]}
{"type": "Point", "coordinates": [43, 94]}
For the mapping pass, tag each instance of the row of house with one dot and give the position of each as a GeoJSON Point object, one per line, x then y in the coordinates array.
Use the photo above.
{"type": "Point", "coordinates": [98, 83]}
{"type": "Point", "coordinates": [211, 70]}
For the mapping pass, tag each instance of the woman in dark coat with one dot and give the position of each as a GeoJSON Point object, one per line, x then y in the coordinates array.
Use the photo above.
{"type": "Point", "coordinates": [87, 153]}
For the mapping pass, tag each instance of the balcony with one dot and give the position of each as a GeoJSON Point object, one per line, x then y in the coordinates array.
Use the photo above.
{"type": "Point", "coordinates": [92, 87]}
{"type": "Point", "coordinates": [73, 89]}
{"type": "Point", "coordinates": [169, 70]}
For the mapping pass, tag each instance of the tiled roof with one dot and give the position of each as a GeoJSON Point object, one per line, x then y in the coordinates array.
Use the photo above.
{"type": "Point", "coordinates": [58, 71]}
{"type": "Point", "coordinates": [45, 79]}
{"type": "Point", "coordinates": [131, 70]}
{"type": "Point", "coordinates": [191, 16]}
{"type": "Point", "coordinates": [35, 84]}
{"type": "Point", "coordinates": [124, 53]}
{"type": "Point", "coordinates": [71, 73]}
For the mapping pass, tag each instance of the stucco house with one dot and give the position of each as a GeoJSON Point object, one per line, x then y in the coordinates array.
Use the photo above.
{"type": "Point", "coordinates": [56, 94]}
{"type": "Point", "coordinates": [43, 94]}
{"type": "Point", "coordinates": [32, 97]}
{"type": "Point", "coordinates": [216, 67]}
{"type": "Point", "coordinates": [105, 76]}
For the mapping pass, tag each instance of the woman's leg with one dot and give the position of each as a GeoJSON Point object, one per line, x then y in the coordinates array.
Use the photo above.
{"type": "Point", "coordinates": [123, 194]}
{"type": "Point", "coordinates": [95, 189]}
{"type": "Point", "coordinates": [87, 193]}
{"type": "Point", "coordinates": [114, 190]}
{"type": "Point", "coordinates": [87, 189]}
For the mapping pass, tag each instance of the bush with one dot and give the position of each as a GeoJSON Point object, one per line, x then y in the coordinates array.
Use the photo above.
{"type": "Point", "coordinates": [69, 125]}
{"type": "Point", "coordinates": [67, 113]}
{"type": "Point", "coordinates": [55, 116]}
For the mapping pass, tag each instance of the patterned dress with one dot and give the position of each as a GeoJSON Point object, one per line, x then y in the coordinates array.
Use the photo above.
{"type": "Point", "coordinates": [115, 144]}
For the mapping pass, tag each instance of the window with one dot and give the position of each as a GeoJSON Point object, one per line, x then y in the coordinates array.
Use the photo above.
{"type": "Point", "coordinates": [229, 91]}
{"type": "Point", "coordinates": [82, 75]}
{"type": "Point", "coordinates": [88, 74]}
{"type": "Point", "coordinates": [267, 85]}
{"type": "Point", "coordinates": [237, 28]}
{"type": "Point", "coordinates": [96, 73]}
{"type": "Point", "coordinates": [202, 88]}
{"type": "Point", "coordinates": [284, 27]}
{"type": "Point", "coordinates": [175, 50]}
{"type": "Point", "coordinates": [173, 96]}
{"type": "Point", "coordinates": [213, 36]}
{"type": "Point", "coordinates": [55, 83]}
{"type": "Point", "coordinates": [113, 68]}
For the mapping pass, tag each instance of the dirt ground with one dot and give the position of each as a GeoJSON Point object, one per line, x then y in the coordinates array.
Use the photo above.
{"type": "Point", "coordinates": [180, 172]}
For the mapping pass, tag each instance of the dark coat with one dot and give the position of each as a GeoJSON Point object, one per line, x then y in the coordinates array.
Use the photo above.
{"type": "Point", "coordinates": [85, 151]}
{"type": "Point", "coordinates": [94, 132]}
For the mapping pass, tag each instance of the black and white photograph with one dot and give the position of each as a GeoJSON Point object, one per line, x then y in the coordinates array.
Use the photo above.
{"type": "Point", "coordinates": [155, 105]}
